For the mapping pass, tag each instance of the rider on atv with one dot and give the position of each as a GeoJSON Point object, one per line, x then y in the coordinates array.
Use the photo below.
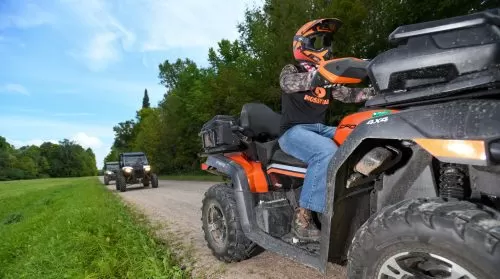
{"type": "Point", "coordinates": [305, 100]}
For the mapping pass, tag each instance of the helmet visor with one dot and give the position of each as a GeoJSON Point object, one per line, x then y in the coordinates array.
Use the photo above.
{"type": "Point", "coordinates": [319, 41]}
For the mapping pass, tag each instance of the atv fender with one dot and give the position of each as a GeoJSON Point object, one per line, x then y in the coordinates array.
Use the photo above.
{"type": "Point", "coordinates": [245, 204]}
{"type": "Point", "coordinates": [462, 120]}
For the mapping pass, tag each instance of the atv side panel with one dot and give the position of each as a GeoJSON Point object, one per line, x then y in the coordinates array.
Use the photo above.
{"type": "Point", "coordinates": [458, 120]}
{"type": "Point", "coordinates": [245, 202]}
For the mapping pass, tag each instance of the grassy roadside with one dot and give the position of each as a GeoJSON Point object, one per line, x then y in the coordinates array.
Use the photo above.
{"type": "Point", "coordinates": [74, 228]}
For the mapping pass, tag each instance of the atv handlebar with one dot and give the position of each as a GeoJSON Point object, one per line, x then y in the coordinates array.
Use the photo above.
{"type": "Point", "coordinates": [348, 70]}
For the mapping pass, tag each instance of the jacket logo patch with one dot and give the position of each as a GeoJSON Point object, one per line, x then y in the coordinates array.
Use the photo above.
{"type": "Point", "coordinates": [316, 100]}
{"type": "Point", "coordinates": [320, 92]}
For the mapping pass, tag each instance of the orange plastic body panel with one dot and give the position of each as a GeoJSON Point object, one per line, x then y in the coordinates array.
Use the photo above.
{"type": "Point", "coordinates": [348, 123]}
{"type": "Point", "coordinates": [284, 172]}
{"type": "Point", "coordinates": [255, 175]}
{"type": "Point", "coordinates": [461, 149]}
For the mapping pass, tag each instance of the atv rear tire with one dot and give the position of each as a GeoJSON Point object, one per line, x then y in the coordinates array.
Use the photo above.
{"type": "Point", "coordinates": [224, 236]}
{"type": "Point", "coordinates": [427, 236]}
{"type": "Point", "coordinates": [121, 183]}
{"type": "Point", "coordinates": [106, 180]}
{"type": "Point", "coordinates": [154, 180]}
{"type": "Point", "coordinates": [145, 182]}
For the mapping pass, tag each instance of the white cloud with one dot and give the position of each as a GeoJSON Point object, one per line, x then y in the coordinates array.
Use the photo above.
{"type": "Point", "coordinates": [19, 131]}
{"type": "Point", "coordinates": [25, 14]}
{"type": "Point", "coordinates": [101, 51]}
{"type": "Point", "coordinates": [37, 142]}
{"type": "Point", "coordinates": [192, 23]}
{"type": "Point", "coordinates": [14, 88]}
{"type": "Point", "coordinates": [87, 141]}
{"type": "Point", "coordinates": [110, 28]}
{"type": "Point", "coordinates": [106, 36]}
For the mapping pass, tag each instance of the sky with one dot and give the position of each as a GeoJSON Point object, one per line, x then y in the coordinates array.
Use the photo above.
{"type": "Point", "coordinates": [73, 69]}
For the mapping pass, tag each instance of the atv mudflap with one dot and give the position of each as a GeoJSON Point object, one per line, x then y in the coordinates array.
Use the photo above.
{"type": "Point", "coordinates": [459, 120]}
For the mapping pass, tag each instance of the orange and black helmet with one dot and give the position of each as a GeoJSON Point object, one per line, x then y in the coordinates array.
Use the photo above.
{"type": "Point", "coordinates": [313, 41]}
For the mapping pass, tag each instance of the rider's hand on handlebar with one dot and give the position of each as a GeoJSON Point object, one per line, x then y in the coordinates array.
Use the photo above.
{"type": "Point", "coordinates": [318, 80]}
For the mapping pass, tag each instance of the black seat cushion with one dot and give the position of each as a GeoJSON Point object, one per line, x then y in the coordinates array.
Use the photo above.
{"type": "Point", "coordinates": [260, 122]}
{"type": "Point", "coordinates": [281, 157]}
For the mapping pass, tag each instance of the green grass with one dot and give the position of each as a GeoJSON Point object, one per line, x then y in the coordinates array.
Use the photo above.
{"type": "Point", "coordinates": [74, 228]}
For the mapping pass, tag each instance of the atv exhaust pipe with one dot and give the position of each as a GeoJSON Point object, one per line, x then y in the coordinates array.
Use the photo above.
{"type": "Point", "coordinates": [374, 161]}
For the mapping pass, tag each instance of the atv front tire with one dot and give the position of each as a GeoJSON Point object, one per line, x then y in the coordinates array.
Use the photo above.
{"type": "Point", "coordinates": [428, 238]}
{"type": "Point", "coordinates": [222, 227]}
{"type": "Point", "coordinates": [154, 180]}
{"type": "Point", "coordinates": [106, 180]}
{"type": "Point", "coordinates": [121, 183]}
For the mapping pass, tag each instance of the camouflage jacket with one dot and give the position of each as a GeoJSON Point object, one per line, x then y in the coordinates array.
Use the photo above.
{"type": "Point", "coordinates": [293, 81]}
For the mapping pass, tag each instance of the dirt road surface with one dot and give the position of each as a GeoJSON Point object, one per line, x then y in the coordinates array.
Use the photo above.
{"type": "Point", "coordinates": [177, 204]}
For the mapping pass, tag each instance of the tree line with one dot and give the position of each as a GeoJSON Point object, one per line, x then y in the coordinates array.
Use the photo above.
{"type": "Point", "coordinates": [247, 70]}
{"type": "Point", "coordinates": [65, 159]}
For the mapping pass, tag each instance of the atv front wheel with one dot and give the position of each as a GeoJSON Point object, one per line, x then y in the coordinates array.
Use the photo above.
{"type": "Point", "coordinates": [106, 181]}
{"type": "Point", "coordinates": [121, 183]}
{"type": "Point", "coordinates": [154, 180]}
{"type": "Point", "coordinates": [222, 227]}
{"type": "Point", "coordinates": [428, 239]}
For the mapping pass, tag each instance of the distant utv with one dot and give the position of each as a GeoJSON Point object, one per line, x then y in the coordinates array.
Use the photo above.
{"type": "Point", "coordinates": [134, 168]}
{"type": "Point", "coordinates": [110, 170]}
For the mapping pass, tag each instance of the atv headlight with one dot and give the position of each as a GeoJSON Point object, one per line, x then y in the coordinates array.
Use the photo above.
{"type": "Point", "coordinates": [109, 172]}
{"type": "Point", "coordinates": [147, 168]}
{"type": "Point", "coordinates": [127, 170]}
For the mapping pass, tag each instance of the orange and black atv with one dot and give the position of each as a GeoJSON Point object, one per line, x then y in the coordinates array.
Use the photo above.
{"type": "Point", "coordinates": [414, 188]}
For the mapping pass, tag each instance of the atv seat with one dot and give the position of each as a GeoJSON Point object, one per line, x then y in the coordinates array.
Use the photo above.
{"type": "Point", "coordinates": [281, 157]}
{"type": "Point", "coordinates": [262, 124]}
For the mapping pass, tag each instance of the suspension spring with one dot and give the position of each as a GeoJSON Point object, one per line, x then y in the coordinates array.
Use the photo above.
{"type": "Point", "coordinates": [452, 181]}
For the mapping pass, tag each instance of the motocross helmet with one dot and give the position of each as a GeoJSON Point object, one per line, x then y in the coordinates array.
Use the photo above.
{"type": "Point", "coordinates": [313, 41]}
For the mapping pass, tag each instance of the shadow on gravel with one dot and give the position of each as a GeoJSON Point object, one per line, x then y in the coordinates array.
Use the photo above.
{"type": "Point", "coordinates": [136, 188]}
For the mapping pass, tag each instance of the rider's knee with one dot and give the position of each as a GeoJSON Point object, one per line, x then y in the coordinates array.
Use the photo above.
{"type": "Point", "coordinates": [328, 150]}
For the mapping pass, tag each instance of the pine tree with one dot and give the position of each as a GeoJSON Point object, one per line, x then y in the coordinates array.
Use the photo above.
{"type": "Point", "coordinates": [145, 99]}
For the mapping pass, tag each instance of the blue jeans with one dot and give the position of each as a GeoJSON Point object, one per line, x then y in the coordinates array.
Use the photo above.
{"type": "Point", "coordinates": [313, 144]}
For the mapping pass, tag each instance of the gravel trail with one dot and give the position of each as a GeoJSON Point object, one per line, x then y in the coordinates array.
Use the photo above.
{"type": "Point", "coordinates": [177, 204]}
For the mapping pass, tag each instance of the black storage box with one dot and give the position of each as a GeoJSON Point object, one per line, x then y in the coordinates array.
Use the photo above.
{"type": "Point", "coordinates": [217, 135]}
{"type": "Point", "coordinates": [438, 58]}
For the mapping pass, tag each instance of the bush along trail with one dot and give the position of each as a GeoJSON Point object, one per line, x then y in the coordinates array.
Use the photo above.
{"type": "Point", "coordinates": [74, 228]}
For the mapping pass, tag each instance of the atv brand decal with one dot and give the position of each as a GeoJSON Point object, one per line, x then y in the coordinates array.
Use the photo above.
{"type": "Point", "coordinates": [381, 113]}
{"type": "Point", "coordinates": [350, 126]}
{"type": "Point", "coordinates": [378, 120]}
